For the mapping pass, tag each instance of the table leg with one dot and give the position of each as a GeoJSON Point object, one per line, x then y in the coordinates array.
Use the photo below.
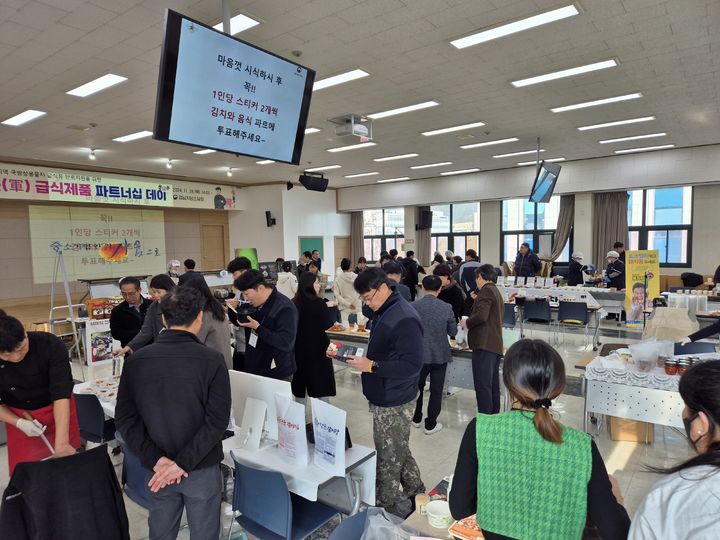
{"type": "Point", "coordinates": [595, 342]}
{"type": "Point", "coordinates": [352, 482]}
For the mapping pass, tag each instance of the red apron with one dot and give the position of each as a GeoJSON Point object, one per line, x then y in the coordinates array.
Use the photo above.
{"type": "Point", "coordinates": [23, 448]}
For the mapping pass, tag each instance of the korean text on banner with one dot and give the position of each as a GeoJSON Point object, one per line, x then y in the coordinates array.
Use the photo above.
{"type": "Point", "coordinates": [329, 430]}
{"type": "Point", "coordinates": [642, 283]}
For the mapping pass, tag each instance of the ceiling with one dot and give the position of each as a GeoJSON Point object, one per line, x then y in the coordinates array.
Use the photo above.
{"type": "Point", "coordinates": [668, 50]}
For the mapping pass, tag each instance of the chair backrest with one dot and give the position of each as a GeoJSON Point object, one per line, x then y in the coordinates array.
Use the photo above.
{"type": "Point", "coordinates": [694, 348]}
{"type": "Point", "coordinates": [134, 476]}
{"type": "Point", "coordinates": [560, 271]}
{"type": "Point", "coordinates": [537, 310]}
{"type": "Point", "coordinates": [263, 497]}
{"type": "Point", "coordinates": [573, 311]}
{"type": "Point", "coordinates": [351, 528]}
{"type": "Point", "coordinates": [91, 418]}
{"type": "Point", "coordinates": [509, 316]}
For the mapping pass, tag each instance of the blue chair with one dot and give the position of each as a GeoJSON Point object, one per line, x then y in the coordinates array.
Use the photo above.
{"type": "Point", "coordinates": [509, 316]}
{"type": "Point", "coordinates": [697, 347]}
{"type": "Point", "coordinates": [134, 476]}
{"type": "Point", "coordinates": [351, 528]}
{"type": "Point", "coordinates": [573, 315]}
{"type": "Point", "coordinates": [537, 311]}
{"type": "Point", "coordinates": [91, 419]}
{"type": "Point", "coordinates": [269, 511]}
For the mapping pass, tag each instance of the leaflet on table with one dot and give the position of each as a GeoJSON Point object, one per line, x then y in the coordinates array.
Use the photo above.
{"type": "Point", "coordinates": [329, 431]}
{"type": "Point", "coordinates": [292, 437]}
{"type": "Point", "coordinates": [252, 422]}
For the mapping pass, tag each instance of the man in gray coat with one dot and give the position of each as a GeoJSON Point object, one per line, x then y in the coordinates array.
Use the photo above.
{"type": "Point", "coordinates": [438, 322]}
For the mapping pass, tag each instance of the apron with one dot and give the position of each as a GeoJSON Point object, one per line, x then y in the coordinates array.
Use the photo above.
{"type": "Point", "coordinates": [23, 448]}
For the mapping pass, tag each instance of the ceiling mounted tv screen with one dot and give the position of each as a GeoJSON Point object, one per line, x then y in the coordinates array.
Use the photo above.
{"type": "Point", "coordinates": [216, 91]}
{"type": "Point", "coordinates": [545, 181]}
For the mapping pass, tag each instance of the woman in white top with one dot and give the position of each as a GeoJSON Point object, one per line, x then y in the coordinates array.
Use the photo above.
{"type": "Point", "coordinates": [348, 300]}
{"type": "Point", "coordinates": [287, 281]}
{"type": "Point", "coordinates": [686, 504]}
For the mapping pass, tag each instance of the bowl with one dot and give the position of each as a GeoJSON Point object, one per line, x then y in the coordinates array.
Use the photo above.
{"type": "Point", "coordinates": [438, 513]}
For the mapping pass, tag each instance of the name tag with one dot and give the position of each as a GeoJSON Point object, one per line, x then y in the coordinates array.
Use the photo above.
{"type": "Point", "coordinates": [253, 339]}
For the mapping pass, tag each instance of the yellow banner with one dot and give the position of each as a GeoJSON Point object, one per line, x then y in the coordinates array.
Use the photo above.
{"type": "Point", "coordinates": [642, 283]}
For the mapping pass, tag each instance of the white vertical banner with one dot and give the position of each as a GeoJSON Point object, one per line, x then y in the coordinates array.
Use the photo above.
{"type": "Point", "coordinates": [292, 437]}
{"type": "Point", "coordinates": [329, 429]}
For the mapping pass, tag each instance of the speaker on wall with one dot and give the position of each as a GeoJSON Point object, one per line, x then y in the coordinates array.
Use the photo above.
{"type": "Point", "coordinates": [269, 220]}
{"type": "Point", "coordinates": [424, 220]}
{"type": "Point", "coordinates": [313, 183]}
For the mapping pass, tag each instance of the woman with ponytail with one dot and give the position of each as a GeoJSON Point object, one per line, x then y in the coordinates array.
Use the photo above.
{"type": "Point", "coordinates": [525, 475]}
{"type": "Point", "coordinates": [686, 504]}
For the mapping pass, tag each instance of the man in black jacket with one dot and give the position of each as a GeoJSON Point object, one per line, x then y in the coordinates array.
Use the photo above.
{"type": "Point", "coordinates": [412, 269]}
{"type": "Point", "coordinates": [527, 263]}
{"type": "Point", "coordinates": [172, 410]}
{"type": "Point", "coordinates": [126, 319]}
{"type": "Point", "coordinates": [390, 375]}
{"type": "Point", "coordinates": [270, 350]}
{"type": "Point", "coordinates": [190, 272]}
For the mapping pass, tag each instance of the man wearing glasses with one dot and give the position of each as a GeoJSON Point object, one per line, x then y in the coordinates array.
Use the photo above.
{"type": "Point", "coordinates": [127, 318]}
{"type": "Point", "coordinates": [390, 383]}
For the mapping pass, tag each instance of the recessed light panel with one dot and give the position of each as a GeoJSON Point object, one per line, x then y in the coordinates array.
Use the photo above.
{"type": "Point", "coordinates": [339, 79]}
{"type": "Point", "coordinates": [452, 128]}
{"type": "Point", "coordinates": [402, 110]}
{"type": "Point", "coordinates": [489, 143]}
{"type": "Point", "coordinates": [571, 72]}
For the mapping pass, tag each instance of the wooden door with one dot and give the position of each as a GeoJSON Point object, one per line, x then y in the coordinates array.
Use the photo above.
{"type": "Point", "coordinates": [212, 247]}
{"type": "Point", "coordinates": [342, 249]}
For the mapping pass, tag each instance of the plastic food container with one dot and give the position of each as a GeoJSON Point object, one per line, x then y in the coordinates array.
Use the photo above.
{"type": "Point", "coordinates": [438, 513]}
{"type": "Point", "coordinates": [644, 365]}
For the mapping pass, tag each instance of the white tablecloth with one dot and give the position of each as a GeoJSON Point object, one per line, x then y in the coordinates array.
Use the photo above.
{"type": "Point", "coordinates": [571, 295]}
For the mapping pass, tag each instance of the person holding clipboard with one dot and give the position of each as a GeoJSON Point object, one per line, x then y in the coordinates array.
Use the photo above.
{"type": "Point", "coordinates": [36, 401]}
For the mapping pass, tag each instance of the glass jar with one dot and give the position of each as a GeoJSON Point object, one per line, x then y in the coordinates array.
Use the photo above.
{"type": "Point", "coordinates": [682, 366]}
{"type": "Point", "coordinates": [671, 366]}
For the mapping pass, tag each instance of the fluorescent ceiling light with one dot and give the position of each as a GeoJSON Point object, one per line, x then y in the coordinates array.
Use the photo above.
{"type": "Point", "coordinates": [617, 123]}
{"type": "Point", "coordinates": [441, 164]}
{"type": "Point", "coordinates": [133, 136]}
{"type": "Point", "coordinates": [387, 180]}
{"type": "Point", "coordinates": [451, 129]}
{"type": "Point", "coordinates": [265, 162]}
{"type": "Point", "coordinates": [359, 175]}
{"type": "Point", "coordinates": [340, 79]}
{"type": "Point", "coordinates": [523, 153]}
{"type": "Point", "coordinates": [645, 149]}
{"type": "Point", "coordinates": [101, 83]}
{"type": "Point", "coordinates": [633, 138]}
{"type": "Point", "coordinates": [565, 73]}
{"type": "Point", "coordinates": [325, 168]}
{"type": "Point", "coordinates": [551, 160]}
{"type": "Point", "coordinates": [401, 110]}
{"type": "Point", "coordinates": [463, 171]}
{"type": "Point", "coordinates": [597, 102]}
{"type": "Point", "coordinates": [310, 130]}
{"type": "Point", "coordinates": [488, 143]}
{"type": "Point", "coordinates": [238, 23]}
{"type": "Point", "coordinates": [23, 118]}
{"type": "Point", "coordinates": [514, 27]}
{"type": "Point", "coordinates": [204, 152]}
{"type": "Point", "coordinates": [392, 158]}
{"type": "Point", "coordinates": [351, 147]}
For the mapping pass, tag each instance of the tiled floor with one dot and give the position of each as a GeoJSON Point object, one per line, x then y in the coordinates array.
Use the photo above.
{"type": "Point", "coordinates": [436, 454]}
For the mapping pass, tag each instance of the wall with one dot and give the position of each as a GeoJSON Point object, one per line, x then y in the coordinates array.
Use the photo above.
{"type": "Point", "coordinates": [582, 226]}
{"type": "Point", "coordinates": [706, 224]}
{"type": "Point", "coordinates": [490, 214]}
{"type": "Point", "coordinates": [248, 228]}
{"type": "Point", "coordinates": [652, 169]}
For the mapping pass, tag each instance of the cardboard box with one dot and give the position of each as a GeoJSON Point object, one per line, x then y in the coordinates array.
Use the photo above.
{"type": "Point", "coordinates": [621, 429]}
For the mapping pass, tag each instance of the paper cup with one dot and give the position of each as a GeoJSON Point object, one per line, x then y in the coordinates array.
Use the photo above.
{"type": "Point", "coordinates": [438, 513]}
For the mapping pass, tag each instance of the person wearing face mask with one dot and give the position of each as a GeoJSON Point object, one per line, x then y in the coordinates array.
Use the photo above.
{"type": "Point", "coordinates": [686, 503]}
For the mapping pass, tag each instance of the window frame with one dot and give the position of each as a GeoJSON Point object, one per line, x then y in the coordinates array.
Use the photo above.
{"type": "Point", "coordinates": [384, 236]}
{"type": "Point", "coordinates": [644, 229]}
{"type": "Point", "coordinates": [452, 235]}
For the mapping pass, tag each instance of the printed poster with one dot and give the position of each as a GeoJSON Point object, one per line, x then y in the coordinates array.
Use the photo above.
{"type": "Point", "coordinates": [642, 283]}
{"type": "Point", "coordinates": [292, 437]}
{"type": "Point", "coordinates": [329, 431]}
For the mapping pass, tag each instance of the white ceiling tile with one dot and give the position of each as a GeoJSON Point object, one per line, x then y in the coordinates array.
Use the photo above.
{"type": "Point", "coordinates": [87, 17]}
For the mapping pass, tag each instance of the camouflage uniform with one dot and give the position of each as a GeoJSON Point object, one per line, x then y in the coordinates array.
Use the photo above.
{"type": "Point", "coordinates": [398, 476]}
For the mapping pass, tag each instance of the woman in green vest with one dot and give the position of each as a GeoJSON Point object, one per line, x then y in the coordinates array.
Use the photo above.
{"type": "Point", "coordinates": [525, 475]}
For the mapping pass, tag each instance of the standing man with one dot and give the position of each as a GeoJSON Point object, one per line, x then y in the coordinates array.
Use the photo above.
{"type": "Point", "coordinates": [236, 268]}
{"type": "Point", "coordinates": [304, 264]}
{"type": "Point", "coordinates": [172, 410]}
{"type": "Point", "coordinates": [219, 200]}
{"type": "Point", "coordinates": [620, 248]}
{"type": "Point", "coordinates": [389, 381]}
{"type": "Point", "coordinates": [438, 323]}
{"type": "Point", "coordinates": [270, 350]}
{"type": "Point", "coordinates": [36, 394]}
{"type": "Point", "coordinates": [315, 256]}
{"type": "Point", "coordinates": [527, 263]}
{"type": "Point", "coordinates": [412, 269]}
{"type": "Point", "coordinates": [394, 273]}
{"type": "Point", "coordinates": [485, 339]}
{"type": "Point", "coordinates": [126, 319]}
{"type": "Point", "coordinates": [190, 272]}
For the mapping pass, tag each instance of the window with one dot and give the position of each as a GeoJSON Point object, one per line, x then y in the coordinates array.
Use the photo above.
{"type": "Point", "coordinates": [662, 219]}
{"type": "Point", "coordinates": [455, 227]}
{"type": "Point", "coordinates": [532, 223]}
{"type": "Point", "coordinates": [383, 230]}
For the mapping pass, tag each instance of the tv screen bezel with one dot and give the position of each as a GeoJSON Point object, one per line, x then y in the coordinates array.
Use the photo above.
{"type": "Point", "coordinates": [552, 168]}
{"type": "Point", "coordinates": [166, 89]}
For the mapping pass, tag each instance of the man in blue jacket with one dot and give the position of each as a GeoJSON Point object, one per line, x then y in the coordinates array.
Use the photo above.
{"type": "Point", "coordinates": [390, 383]}
{"type": "Point", "coordinates": [270, 349]}
{"type": "Point", "coordinates": [527, 263]}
